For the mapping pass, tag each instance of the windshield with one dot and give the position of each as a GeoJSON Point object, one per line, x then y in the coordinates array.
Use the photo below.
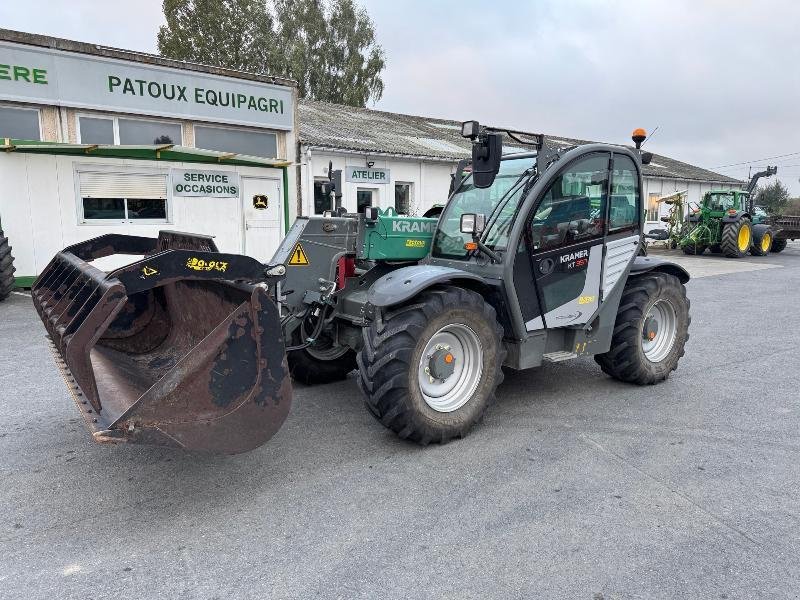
{"type": "Point", "coordinates": [720, 201]}
{"type": "Point", "coordinates": [499, 203]}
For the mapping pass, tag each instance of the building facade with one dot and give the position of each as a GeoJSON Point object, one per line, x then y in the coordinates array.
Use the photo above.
{"type": "Point", "coordinates": [99, 140]}
{"type": "Point", "coordinates": [405, 162]}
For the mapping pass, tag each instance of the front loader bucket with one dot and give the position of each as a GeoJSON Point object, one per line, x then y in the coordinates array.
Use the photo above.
{"type": "Point", "coordinates": [174, 349]}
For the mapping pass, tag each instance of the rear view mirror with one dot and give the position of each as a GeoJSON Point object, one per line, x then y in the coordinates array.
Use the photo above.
{"type": "Point", "coordinates": [487, 150]}
{"type": "Point", "coordinates": [473, 223]}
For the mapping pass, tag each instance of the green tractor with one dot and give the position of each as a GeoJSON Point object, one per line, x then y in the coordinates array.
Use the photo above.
{"type": "Point", "coordinates": [728, 223]}
{"type": "Point", "coordinates": [6, 267]}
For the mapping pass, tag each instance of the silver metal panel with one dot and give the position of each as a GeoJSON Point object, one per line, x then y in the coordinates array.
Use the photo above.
{"type": "Point", "coordinates": [618, 254]}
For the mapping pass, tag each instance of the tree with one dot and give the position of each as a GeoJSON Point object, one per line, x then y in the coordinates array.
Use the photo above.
{"type": "Point", "coordinates": [329, 48]}
{"type": "Point", "coordinates": [773, 197]}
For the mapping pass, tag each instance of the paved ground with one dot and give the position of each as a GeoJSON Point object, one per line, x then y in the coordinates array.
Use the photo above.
{"type": "Point", "coordinates": [575, 486]}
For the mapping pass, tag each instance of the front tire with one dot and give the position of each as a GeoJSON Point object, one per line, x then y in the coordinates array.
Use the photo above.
{"type": "Point", "coordinates": [694, 249]}
{"type": "Point", "coordinates": [763, 239]}
{"type": "Point", "coordinates": [322, 362]}
{"type": "Point", "coordinates": [429, 369]}
{"type": "Point", "coordinates": [6, 268]}
{"type": "Point", "coordinates": [737, 237]}
{"type": "Point", "coordinates": [650, 332]}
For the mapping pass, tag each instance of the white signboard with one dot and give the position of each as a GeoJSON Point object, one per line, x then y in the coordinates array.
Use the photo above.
{"type": "Point", "coordinates": [208, 184]}
{"type": "Point", "coordinates": [46, 76]}
{"type": "Point", "coordinates": [366, 175]}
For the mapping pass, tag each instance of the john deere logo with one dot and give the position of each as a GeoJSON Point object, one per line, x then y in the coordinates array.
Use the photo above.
{"type": "Point", "coordinates": [260, 202]}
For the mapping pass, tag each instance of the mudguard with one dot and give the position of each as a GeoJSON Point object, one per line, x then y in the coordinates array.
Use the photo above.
{"type": "Point", "coordinates": [649, 264]}
{"type": "Point", "coordinates": [405, 283]}
{"type": "Point", "coordinates": [732, 218]}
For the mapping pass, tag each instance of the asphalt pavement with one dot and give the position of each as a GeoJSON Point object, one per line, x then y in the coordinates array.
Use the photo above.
{"type": "Point", "coordinates": [574, 486]}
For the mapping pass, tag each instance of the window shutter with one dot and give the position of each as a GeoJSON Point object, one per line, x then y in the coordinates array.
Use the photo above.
{"type": "Point", "coordinates": [122, 185]}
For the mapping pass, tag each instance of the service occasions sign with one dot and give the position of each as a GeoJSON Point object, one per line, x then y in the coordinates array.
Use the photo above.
{"type": "Point", "coordinates": [208, 184]}
{"type": "Point", "coordinates": [48, 76]}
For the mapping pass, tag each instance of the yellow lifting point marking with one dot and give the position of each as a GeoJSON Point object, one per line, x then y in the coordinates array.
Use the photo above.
{"type": "Point", "coordinates": [299, 258]}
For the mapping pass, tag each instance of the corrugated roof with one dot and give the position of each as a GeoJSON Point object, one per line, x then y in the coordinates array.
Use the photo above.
{"type": "Point", "coordinates": [340, 127]}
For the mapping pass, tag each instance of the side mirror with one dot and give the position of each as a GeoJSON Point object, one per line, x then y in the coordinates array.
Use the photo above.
{"type": "Point", "coordinates": [647, 157]}
{"type": "Point", "coordinates": [371, 213]}
{"type": "Point", "coordinates": [473, 223]}
{"type": "Point", "coordinates": [487, 150]}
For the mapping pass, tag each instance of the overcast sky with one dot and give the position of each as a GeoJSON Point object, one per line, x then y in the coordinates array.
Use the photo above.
{"type": "Point", "coordinates": [720, 79]}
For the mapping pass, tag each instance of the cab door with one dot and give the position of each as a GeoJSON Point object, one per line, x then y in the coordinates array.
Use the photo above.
{"type": "Point", "coordinates": [564, 244]}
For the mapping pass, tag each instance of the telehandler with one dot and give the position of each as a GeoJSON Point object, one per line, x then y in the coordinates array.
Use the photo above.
{"type": "Point", "coordinates": [533, 260]}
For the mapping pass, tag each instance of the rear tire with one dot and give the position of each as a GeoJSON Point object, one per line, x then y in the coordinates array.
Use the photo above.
{"type": "Point", "coordinates": [403, 342]}
{"type": "Point", "coordinates": [737, 238]}
{"type": "Point", "coordinates": [6, 268]}
{"type": "Point", "coordinates": [778, 246]}
{"type": "Point", "coordinates": [763, 240]}
{"type": "Point", "coordinates": [654, 303]}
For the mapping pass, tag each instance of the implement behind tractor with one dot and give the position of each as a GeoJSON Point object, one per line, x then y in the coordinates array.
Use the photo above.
{"type": "Point", "coordinates": [532, 260]}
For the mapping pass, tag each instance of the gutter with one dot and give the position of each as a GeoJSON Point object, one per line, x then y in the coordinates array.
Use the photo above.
{"type": "Point", "coordinates": [422, 157]}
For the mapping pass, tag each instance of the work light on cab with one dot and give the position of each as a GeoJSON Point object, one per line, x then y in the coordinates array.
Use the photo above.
{"type": "Point", "coordinates": [470, 129]}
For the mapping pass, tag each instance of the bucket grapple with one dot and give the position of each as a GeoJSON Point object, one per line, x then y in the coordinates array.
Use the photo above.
{"type": "Point", "coordinates": [182, 348]}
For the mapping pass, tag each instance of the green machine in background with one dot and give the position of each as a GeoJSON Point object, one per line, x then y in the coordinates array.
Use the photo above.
{"type": "Point", "coordinates": [6, 266]}
{"type": "Point", "coordinates": [728, 223]}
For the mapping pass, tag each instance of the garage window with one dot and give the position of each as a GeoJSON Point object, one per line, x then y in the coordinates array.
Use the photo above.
{"type": "Point", "coordinates": [19, 123]}
{"type": "Point", "coordinates": [133, 132]}
{"type": "Point", "coordinates": [123, 197]}
{"type": "Point", "coordinates": [240, 141]}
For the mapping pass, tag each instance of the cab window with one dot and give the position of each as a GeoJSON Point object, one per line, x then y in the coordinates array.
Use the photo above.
{"type": "Point", "coordinates": [572, 210]}
{"type": "Point", "coordinates": [624, 204]}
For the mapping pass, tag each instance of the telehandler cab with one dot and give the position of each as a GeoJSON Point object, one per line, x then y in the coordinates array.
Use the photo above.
{"type": "Point", "coordinates": [533, 260]}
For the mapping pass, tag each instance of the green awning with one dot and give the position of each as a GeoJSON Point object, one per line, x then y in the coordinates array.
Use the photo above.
{"type": "Point", "coordinates": [168, 152]}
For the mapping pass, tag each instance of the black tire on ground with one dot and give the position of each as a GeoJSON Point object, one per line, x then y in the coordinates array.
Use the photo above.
{"type": "Point", "coordinates": [627, 359]}
{"type": "Point", "coordinates": [715, 249]}
{"type": "Point", "coordinates": [389, 363]}
{"type": "Point", "coordinates": [763, 239]}
{"type": "Point", "coordinates": [6, 268]}
{"type": "Point", "coordinates": [320, 363]}
{"type": "Point", "coordinates": [694, 249]}
{"type": "Point", "coordinates": [778, 245]}
{"type": "Point", "coordinates": [729, 242]}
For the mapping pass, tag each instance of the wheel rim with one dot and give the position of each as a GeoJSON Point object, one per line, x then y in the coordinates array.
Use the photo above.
{"type": "Point", "coordinates": [744, 237]}
{"type": "Point", "coordinates": [659, 330]}
{"type": "Point", "coordinates": [766, 240]}
{"type": "Point", "coordinates": [465, 367]}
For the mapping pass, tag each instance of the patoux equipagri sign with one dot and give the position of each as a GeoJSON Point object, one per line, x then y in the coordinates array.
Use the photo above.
{"type": "Point", "coordinates": [55, 77]}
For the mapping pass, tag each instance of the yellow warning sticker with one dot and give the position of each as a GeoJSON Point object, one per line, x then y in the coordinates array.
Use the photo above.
{"type": "Point", "coordinates": [298, 258]}
{"type": "Point", "coordinates": [147, 271]}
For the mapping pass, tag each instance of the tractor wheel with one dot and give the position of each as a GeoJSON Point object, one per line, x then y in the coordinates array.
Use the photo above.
{"type": "Point", "coordinates": [6, 268]}
{"type": "Point", "coordinates": [778, 246]}
{"type": "Point", "coordinates": [694, 249]}
{"type": "Point", "coordinates": [322, 362]}
{"type": "Point", "coordinates": [762, 241]}
{"type": "Point", "coordinates": [429, 369]}
{"type": "Point", "coordinates": [651, 330]}
{"type": "Point", "coordinates": [737, 237]}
